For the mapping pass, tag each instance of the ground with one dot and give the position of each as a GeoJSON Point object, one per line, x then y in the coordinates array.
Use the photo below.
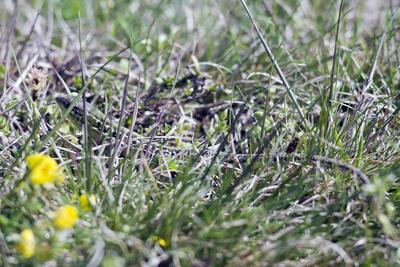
{"type": "Point", "coordinates": [199, 133]}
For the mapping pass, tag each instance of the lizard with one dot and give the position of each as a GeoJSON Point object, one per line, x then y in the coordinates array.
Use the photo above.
{"type": "Point", "coordinates": [98, 126]}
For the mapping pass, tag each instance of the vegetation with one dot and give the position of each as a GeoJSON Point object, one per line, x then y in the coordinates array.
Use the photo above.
{"type": "Point", "coordinates": [199, 133]}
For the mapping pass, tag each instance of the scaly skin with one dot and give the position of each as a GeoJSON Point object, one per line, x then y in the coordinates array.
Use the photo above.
{"type": "Point", "coordinates": [96, 122]}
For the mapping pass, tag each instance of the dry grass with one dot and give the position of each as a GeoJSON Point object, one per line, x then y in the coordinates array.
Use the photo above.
{"type": "Point", "coordinates": [187, 132]}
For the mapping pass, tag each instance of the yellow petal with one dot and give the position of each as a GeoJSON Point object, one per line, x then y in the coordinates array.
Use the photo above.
{"type": "Point", "coordinates": [162, 243]}
{"type": "Point", "coordinates": [27, 243]}
{"type": "Point", "coordinates": [40, 176]}
{"type": "Point", "coordinates": [66, 217]}
{"type": "Point", "coordinates": [34, 160]}
{"type": "Point", "coordinates": [43, 169]}
{"type": "Point", "coordinates": [86, 201]}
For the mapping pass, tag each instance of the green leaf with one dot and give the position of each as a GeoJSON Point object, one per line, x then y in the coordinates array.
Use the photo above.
{"type": "Point", "coordinates": [4, 127]}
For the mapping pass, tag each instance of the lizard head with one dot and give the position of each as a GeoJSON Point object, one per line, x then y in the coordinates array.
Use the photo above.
{"type": "Point", "coordinates": [63, 102]}
{"type": "Point", "coordinates": [76, 113]}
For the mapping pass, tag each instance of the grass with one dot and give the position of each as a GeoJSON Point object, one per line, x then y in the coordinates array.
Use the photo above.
{"type": "Point", "coordinates": [228, 146]}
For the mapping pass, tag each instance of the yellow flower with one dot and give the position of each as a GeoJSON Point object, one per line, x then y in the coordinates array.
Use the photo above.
{"type": "Point", "coordinates": [161, 242]}
{"type": "Point", "coordinates": [66, 217]}
{"type": "Point", "coordinates": [86, 201]}
{"type": "Point", "coordinates": [44, 169]}
{"type": "Point", "coordinates": [26, 245]}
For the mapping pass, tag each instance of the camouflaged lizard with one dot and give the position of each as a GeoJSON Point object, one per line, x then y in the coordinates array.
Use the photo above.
{"type": "Point", "coordinates": [98, 126]}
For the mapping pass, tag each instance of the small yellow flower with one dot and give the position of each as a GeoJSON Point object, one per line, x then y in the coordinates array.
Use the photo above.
{"type": "Point", "coordinates": [44, 169]}
{"type": "Point", "coordinates": [26, 245]}
{"type": "Point", "coordinates": [161, 242]}
{"type": "Point", "coordinates": [66, 217]}
{"type": "Point", "coordinates": [86, 201]}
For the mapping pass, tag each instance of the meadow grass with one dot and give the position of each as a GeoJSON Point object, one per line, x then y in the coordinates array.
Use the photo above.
{"type": "Point", "coordinates": [199, 133]}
